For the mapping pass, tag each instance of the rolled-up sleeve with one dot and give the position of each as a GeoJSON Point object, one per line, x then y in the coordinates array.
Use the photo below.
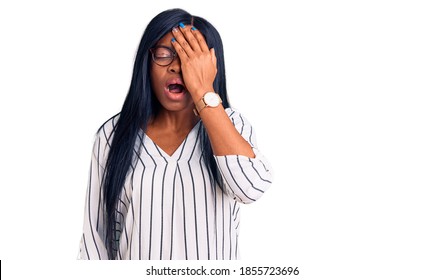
{"type": "Point", "coordinates": [245, 179]}
{"type": "Point", "coordinates": [92, 246]}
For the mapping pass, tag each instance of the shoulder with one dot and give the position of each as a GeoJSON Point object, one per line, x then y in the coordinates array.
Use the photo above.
{"type": "Point", "coordinates": [232, 113]}
{"type": "Point", "coordinates": [106, 130]}
{"type": "Point", "coordinates": [236, 117]}
{"type": "Point", "coordinates": [242, 125]}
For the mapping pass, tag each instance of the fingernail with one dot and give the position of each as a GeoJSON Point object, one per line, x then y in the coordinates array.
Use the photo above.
{"type": "Point", "coordinates": [174, 29]}
{"type": "Point", "coordinates": [181, 25]}
{"type": "Point", "coordinates": [193, 28]}
{"type": "Point", "coordinates": [173, 40]}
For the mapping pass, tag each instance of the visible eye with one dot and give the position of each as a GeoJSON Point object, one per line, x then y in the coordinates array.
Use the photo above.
{"type": "Point", "coordinates": [163, 56]}
{"type": "Point", "coordinates": [163, 53]}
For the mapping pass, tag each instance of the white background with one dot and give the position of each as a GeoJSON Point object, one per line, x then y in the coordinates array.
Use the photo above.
{"type": "Point", "coordinates": [345, 97]}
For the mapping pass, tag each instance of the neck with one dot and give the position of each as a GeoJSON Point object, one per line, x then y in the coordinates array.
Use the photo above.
{"type": "Point", "coordinates": [174, 121]}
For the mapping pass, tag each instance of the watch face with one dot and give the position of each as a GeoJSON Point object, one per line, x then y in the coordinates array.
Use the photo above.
{"type": "Point", "coordinates": [212, 99]}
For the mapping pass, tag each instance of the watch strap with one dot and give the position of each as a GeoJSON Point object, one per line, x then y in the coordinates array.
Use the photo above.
{"type": "Point", "coordinates": [201, 104]}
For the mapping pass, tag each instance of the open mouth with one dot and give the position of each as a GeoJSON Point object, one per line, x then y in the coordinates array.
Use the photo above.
{"type": "Point", "coordinates": [175, 85]}
{"type": "Point", "coordinates": [176, 88]}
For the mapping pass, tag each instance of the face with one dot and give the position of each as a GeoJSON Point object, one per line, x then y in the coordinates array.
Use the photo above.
{"type": "Point", "coordinates": [167, 81]}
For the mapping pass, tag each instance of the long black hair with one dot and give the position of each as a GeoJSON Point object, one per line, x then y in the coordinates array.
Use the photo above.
{"type": "Point", "coordinates": [141, 105]}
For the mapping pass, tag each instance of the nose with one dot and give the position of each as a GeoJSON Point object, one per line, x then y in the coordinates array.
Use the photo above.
{"type": "Point", "coordinates": [175, 66]}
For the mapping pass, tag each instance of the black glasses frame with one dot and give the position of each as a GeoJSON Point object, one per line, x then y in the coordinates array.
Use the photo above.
{"type": "Point", "coordinates": [152, 50]}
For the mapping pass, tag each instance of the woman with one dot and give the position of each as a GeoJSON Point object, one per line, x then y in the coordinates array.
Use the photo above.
{"type": "Point", "coordinates": [169, 172]}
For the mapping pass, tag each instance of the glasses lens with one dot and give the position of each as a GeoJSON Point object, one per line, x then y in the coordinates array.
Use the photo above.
{"type": "Point", "coordinates": [162, 56]}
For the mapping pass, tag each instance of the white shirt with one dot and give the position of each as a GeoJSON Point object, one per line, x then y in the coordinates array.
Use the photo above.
{"type": "Point", "coordinates": [168, 209]}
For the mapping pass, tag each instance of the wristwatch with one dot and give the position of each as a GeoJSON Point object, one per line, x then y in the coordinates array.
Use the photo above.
{"type": "Point", "coordinates": [210, 99]}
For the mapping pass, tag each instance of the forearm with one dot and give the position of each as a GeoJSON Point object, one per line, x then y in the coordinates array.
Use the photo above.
{"type": "Point", "coordinates": [199, 69]}
{"type": "Point", "coordinates": [224, 137]}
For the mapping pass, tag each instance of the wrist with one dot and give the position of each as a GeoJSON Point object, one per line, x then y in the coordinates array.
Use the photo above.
{"type": "Point", "coordinates": [198, 94]}
{"type": "Point", "coordinates": [209, 99]}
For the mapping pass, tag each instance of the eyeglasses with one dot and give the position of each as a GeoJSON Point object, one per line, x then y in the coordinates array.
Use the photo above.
{"type": "Point", "coordinates": [162, 55]}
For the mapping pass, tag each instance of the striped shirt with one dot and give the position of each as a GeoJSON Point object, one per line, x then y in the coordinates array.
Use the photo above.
{"type": "Point", "coordinates": [168, 209]}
